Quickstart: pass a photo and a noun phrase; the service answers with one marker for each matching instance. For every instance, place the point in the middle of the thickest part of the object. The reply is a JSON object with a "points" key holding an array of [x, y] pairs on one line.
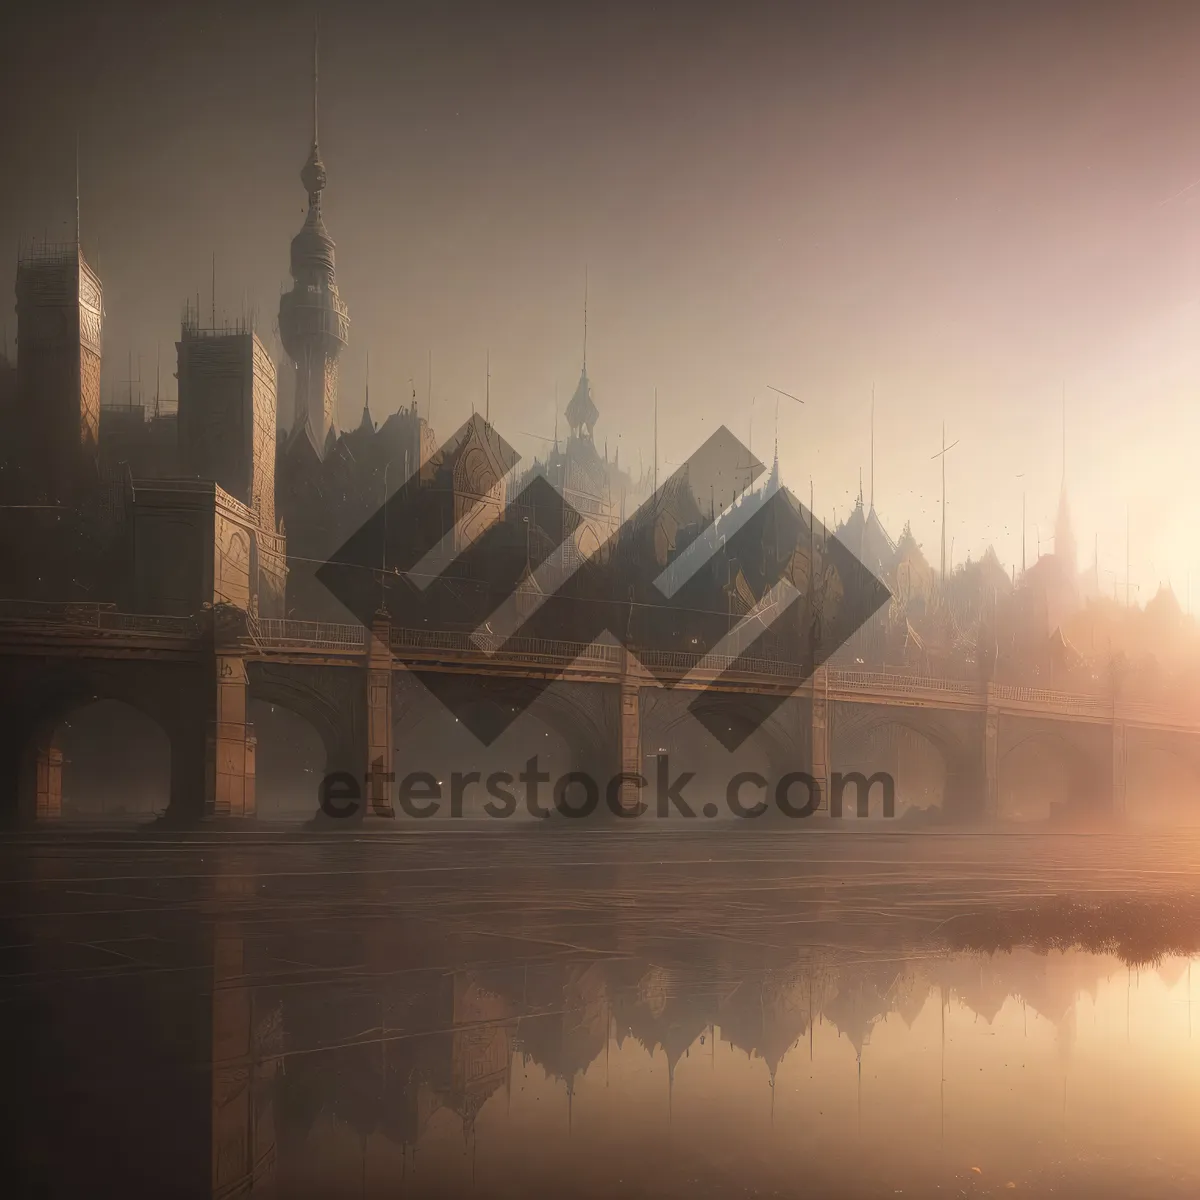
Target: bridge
{"points": [[357, 687]]}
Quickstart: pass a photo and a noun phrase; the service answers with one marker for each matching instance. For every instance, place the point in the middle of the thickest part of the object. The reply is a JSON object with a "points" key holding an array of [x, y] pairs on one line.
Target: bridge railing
{"points": [[518, 648], [316, 635], [101, 617], [903, 684], [1032, 695], [686, 662]]}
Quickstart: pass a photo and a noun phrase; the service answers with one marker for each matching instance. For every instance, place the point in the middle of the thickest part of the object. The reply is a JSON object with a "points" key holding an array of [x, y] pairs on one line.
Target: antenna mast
{"points": [[872, 447], [942, 455], [656, 441]]}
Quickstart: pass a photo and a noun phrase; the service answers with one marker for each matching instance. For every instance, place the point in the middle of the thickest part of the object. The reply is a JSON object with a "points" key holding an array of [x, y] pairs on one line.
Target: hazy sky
{"points": [[970, 206]]}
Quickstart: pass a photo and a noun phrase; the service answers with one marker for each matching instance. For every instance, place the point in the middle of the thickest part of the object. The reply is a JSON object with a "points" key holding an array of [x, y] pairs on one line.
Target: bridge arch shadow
{"points": [[682, 728], [290, 761], [321, 706], [1044, 773], [1163, 779], [567, 727], [103, 736], [113, 762], [921, 756]]}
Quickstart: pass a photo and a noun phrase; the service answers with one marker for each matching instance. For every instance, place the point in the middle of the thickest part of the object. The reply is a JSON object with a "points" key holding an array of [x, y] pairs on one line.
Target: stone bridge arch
{"points": [[1162, 776], [37, 695], [332, 700], [769, 738], [1046, 767], [955, 738], [568, 726]]}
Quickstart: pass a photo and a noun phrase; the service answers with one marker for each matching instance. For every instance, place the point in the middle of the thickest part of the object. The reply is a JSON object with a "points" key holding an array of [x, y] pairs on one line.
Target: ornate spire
{"points": [[367, 423], [314, 325]]}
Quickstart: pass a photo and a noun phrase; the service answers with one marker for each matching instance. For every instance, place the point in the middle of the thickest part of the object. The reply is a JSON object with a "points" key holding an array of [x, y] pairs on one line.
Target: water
{"points": [[601, 1013]]}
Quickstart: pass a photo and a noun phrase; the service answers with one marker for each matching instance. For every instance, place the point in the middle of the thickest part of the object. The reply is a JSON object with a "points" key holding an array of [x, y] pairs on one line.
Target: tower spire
{"points": [[316, 48], [314, 325], [367, 423], [77, 242], [585, 300]]}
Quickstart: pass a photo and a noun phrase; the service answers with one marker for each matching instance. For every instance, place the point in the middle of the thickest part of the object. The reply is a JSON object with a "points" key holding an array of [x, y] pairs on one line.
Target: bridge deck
{"points": [[101, 631]]}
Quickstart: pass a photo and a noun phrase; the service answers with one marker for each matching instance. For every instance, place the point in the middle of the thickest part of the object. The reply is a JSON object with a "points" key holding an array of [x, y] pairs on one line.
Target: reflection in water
{"points": [[492, 1017], [635, 1077]]}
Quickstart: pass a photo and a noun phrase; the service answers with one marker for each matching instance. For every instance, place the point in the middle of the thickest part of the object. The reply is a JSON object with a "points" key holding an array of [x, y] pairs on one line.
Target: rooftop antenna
{"points": [[585, 300], [942, 455], [487, 411], [429, 393], [656, 441], [157, 375], [214, 291]]}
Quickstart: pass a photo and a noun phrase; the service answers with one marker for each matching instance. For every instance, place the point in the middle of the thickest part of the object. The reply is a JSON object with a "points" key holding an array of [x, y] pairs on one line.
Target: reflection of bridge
{"points": [[194, 676]]}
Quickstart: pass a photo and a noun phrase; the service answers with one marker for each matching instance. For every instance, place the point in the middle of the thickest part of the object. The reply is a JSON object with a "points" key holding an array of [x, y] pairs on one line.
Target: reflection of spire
{"points": [[860, 1091], [942, 1069]]}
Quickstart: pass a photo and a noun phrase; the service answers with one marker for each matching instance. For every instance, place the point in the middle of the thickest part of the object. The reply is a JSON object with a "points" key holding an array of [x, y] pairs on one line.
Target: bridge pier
{"points": [[47, 801], [991, 758], [630, 730], [380, 748], [230, 748], [821, 734], [1120, 765]]}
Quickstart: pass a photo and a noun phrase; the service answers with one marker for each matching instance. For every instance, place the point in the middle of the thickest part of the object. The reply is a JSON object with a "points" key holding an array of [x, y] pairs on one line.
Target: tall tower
{"points": [[59, 323], [313, 321]]}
